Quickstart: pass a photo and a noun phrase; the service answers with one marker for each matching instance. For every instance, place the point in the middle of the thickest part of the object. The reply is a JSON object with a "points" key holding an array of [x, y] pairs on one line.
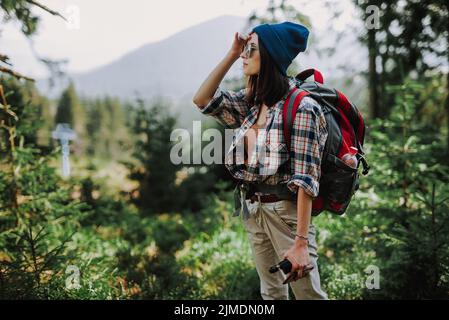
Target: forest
{"points": [[127, 223]]}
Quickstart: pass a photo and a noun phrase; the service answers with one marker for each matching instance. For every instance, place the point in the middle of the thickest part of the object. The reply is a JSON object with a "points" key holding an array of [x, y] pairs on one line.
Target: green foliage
{"points": [[413, 201], [70, 110], [169, 233], [398, 221], [222, 262], [406, 42], [218, 253], [154, 170], [190, 247], [43, 215], [347, 246], [20, 10], [31, 108], [107, 135]]}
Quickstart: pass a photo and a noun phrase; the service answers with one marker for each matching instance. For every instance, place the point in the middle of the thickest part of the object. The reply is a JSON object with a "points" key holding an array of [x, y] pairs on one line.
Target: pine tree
{"points": [[410, 177], [410, 39], [71, 111], [154, 171], [37, 215], [106, 128]]}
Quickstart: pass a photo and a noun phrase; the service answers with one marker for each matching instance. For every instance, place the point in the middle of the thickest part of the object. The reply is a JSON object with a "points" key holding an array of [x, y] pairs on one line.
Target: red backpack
{"points": [[346, 129]]}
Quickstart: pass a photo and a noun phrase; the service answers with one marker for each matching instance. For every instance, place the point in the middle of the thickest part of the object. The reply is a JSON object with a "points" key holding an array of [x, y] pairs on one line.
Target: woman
{"points": [[278, 227]]}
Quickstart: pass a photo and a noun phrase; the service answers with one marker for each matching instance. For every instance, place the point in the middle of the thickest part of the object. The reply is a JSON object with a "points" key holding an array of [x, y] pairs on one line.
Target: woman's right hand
{"points": [[238, 44], [213, 80]]}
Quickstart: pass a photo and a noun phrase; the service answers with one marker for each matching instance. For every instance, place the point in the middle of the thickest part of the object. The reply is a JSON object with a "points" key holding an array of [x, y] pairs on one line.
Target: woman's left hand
{"points": [[298, 255]]}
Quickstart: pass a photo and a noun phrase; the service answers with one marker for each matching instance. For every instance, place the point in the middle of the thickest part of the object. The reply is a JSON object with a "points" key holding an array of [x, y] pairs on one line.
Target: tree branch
{"points": [[37, 4], [4, 58], [15, 74]]}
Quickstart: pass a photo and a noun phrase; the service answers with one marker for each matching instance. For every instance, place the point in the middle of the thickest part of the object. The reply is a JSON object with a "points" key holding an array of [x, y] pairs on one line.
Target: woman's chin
{"points": [[246, 73]]}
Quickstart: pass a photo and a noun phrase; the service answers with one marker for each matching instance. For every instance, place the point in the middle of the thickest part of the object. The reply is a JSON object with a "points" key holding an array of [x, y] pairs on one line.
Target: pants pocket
{"points": [[285, 211], [250, 223]]}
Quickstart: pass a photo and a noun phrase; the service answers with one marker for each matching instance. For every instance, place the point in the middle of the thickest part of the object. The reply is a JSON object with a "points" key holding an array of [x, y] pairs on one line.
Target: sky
{"points": [[100, 31]]}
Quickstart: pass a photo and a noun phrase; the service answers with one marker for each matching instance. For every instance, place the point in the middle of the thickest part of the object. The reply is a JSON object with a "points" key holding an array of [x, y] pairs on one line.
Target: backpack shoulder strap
{"points": [[317, 76], [289, 111]]}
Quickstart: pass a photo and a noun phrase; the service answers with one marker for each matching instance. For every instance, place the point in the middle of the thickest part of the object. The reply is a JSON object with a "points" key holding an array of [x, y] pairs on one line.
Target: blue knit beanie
{"points": [[284, 41]]}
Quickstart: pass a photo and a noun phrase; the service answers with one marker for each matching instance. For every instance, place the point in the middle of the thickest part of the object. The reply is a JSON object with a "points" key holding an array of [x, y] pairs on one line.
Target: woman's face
{"points": [[251, 63]]}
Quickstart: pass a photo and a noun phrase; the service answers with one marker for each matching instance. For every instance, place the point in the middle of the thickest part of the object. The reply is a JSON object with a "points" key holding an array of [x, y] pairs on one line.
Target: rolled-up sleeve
{"points": [[227, 107], [308, 138]]}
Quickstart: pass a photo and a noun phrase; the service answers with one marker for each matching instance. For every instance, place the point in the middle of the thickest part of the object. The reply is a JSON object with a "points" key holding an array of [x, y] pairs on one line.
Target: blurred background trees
{"points": [[137, 226], [409, 38]]}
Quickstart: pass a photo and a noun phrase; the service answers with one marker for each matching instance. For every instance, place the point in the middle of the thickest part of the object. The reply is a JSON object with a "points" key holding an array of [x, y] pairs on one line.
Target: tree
{"points": [[71, 111], [34, 209], [20, 11], [412, 201], [106, 128], [36, 123], [155, 172], [412, 39], [37, 215]]}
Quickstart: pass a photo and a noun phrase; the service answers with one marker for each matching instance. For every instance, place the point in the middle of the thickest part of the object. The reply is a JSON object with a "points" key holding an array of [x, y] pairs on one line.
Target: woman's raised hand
{"points": [[213, 80], [238, 44]]}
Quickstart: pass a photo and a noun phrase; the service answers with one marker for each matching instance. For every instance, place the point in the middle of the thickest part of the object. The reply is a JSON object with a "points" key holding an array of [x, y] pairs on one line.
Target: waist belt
{"points": [[264, 198], [246, 190]]}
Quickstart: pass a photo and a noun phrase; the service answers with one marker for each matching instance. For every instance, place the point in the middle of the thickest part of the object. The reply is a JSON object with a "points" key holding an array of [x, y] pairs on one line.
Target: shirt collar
{"points": [[292, 82]]}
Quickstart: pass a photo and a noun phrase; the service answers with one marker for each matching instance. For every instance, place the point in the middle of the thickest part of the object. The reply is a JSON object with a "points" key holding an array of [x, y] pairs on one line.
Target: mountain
{"points": [[175, 67], [171, 67]]}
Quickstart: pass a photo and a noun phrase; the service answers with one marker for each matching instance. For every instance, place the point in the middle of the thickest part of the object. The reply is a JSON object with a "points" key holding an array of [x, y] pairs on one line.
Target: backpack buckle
{"points": [[365, 164]]}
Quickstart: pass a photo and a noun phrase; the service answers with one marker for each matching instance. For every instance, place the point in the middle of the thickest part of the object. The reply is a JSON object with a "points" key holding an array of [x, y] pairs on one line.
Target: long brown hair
{"points": [[269, 86]]}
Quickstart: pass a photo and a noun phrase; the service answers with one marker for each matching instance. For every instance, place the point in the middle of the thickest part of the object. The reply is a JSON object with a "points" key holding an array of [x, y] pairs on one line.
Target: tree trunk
{"points": [[447, 85], [373, 77], [447, 110]]}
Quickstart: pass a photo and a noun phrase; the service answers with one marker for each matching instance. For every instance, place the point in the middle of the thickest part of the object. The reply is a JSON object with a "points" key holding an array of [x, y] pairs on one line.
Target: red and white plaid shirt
{"points": [[308, 136]]}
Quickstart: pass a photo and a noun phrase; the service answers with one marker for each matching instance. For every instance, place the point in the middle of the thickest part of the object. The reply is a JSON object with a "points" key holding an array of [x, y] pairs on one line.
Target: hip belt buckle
{"points": [[258, 194]]}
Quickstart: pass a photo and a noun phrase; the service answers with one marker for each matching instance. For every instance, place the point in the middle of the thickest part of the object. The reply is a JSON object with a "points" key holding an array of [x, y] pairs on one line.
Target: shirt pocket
{"points": [[274, 147], [276, 154], [275, 141]]}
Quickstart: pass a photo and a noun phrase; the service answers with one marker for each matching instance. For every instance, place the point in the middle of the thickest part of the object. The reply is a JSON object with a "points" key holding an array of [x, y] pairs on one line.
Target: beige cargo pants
{"points": [[271, 231]]}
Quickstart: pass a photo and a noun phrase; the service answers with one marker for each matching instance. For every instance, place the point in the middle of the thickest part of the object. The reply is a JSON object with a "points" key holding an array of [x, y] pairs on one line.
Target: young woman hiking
{"points": [[275, 191]]}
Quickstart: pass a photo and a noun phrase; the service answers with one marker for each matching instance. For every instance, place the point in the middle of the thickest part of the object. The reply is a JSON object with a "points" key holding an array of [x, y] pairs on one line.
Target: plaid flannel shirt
{"points": [[308, 137]]}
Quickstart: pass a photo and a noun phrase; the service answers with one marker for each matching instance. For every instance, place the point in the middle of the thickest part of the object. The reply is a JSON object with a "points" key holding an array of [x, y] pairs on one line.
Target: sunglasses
{"points": [[248, 49]]}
